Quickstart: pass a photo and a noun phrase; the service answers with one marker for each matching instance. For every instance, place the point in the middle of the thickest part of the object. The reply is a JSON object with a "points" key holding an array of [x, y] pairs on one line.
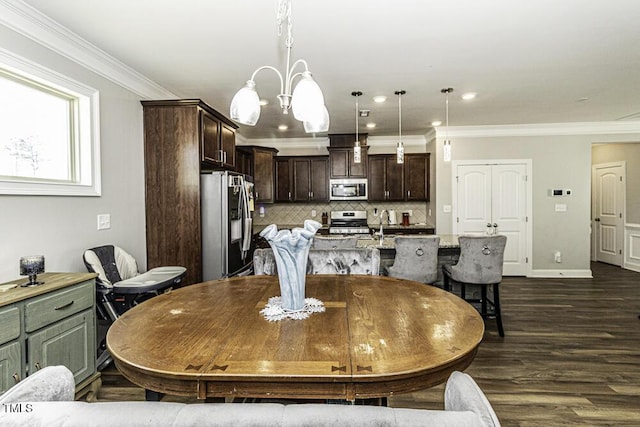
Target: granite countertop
{"points": [[446, 241]]}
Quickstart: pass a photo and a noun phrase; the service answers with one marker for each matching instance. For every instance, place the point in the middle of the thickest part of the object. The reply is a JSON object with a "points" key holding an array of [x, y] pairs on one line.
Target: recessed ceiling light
{"points": [[379, 98], [371, 125], [264, 102], [436, 123], [583, 99], [283, 127], [469, 95]]}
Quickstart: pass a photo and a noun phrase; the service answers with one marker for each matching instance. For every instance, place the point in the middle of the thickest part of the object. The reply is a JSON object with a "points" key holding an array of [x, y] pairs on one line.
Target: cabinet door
{"points": [[377, 167], [339, 160], [263, 175], [416, 177], [210, 139], [70, 342], [394, 179], [283, 180], [358, 170], [10, 365], [319, 179], [227, 146], [301, 180]]}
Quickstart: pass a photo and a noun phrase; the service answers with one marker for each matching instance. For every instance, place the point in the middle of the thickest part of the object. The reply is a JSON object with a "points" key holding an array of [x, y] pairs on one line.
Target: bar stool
{"points": [[480, 263], [416, 259]]}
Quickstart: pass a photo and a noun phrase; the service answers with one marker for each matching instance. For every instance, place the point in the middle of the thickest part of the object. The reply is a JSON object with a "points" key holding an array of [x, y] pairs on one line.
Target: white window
{"points": [[49, 141]]}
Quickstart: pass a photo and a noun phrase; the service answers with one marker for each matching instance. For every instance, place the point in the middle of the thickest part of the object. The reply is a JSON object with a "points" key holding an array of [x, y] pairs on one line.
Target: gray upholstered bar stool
{"points": [[416, 258], [480, 263]]}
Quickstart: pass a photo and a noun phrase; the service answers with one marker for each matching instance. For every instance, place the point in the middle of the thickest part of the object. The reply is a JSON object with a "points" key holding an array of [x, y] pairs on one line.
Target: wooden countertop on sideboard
{"points": [[52, 282]]}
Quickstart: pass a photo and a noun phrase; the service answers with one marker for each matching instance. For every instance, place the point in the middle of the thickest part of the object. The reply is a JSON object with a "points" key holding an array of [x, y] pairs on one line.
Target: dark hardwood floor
{"points": [[571, 355]]}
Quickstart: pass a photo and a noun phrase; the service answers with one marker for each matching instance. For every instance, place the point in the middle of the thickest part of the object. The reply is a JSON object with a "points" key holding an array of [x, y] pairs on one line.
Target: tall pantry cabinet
{"points": [[181, 139]]}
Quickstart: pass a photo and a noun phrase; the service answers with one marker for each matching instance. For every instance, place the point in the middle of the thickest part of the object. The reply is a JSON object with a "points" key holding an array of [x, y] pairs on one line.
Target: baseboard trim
{"points": [[565, 274]]}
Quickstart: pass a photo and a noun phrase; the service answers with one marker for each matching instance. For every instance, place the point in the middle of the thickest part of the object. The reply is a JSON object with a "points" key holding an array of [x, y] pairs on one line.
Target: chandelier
{"points": [[306, 101]]}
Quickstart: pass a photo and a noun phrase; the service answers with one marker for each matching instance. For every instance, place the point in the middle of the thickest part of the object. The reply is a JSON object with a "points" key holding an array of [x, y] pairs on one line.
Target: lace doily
{"points": [[274, 311]]}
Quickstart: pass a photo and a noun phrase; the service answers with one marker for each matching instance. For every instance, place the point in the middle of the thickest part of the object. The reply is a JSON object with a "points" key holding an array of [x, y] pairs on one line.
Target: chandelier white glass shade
{"points": [[357, 150], [400, 146], [306, 101], [446, 146]]}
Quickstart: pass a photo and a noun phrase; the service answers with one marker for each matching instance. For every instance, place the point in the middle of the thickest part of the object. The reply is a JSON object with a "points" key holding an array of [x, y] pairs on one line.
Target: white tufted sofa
{"points": [[46, 399]]}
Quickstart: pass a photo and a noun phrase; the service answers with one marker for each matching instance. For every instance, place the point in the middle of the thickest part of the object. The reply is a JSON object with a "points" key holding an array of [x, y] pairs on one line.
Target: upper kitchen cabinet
{"points": [[302, 179], [385, 178], [416, 177], [218, 142], [341, 159], [259, 163], [181, 138]]}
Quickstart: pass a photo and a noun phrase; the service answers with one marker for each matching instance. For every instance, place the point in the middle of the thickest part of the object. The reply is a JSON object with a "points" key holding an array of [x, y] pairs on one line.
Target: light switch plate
{"points": [[561, 207], [104, 221], [446, 208]]}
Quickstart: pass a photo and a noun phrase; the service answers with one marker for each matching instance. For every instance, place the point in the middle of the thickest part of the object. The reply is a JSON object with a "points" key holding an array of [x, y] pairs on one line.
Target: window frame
{"points": [[85, 124]]}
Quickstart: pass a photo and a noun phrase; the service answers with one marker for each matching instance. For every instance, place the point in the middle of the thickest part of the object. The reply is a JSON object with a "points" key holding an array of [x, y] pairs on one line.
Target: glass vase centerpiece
{"points": [[291, 252]]}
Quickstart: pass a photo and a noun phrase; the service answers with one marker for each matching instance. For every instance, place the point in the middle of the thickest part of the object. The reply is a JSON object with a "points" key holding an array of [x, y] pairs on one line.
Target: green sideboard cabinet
{"points": [[50, 324]]}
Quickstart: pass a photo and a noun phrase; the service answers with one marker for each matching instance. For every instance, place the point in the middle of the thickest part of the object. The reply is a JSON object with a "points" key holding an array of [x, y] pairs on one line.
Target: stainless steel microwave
{"points": [[348, 189]]}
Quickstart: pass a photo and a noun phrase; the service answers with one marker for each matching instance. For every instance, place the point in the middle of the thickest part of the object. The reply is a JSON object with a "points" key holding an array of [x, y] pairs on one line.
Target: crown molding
{"points": [[29, 22], [542, 129]]}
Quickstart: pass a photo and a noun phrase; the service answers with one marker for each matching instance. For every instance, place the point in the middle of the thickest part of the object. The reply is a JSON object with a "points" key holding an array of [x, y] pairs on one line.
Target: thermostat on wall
{"points": [[561, 192]]}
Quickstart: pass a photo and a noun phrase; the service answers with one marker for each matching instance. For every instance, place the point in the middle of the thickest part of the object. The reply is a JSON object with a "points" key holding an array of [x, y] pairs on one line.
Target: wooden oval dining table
{"points": [[379, 336]]}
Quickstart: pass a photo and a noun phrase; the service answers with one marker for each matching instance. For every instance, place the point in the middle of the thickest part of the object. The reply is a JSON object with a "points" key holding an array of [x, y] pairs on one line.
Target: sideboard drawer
{"points": [[10, 321], [58, 305]]}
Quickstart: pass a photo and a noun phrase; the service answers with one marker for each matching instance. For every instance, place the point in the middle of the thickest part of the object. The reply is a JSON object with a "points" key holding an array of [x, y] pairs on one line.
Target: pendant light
{"points": [[447, 143], [357, 150], [305, 100], [400, 146]]}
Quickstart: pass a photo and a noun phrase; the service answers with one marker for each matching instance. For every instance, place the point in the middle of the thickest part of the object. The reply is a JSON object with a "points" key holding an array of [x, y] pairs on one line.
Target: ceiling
{"points": [[542, 61]]}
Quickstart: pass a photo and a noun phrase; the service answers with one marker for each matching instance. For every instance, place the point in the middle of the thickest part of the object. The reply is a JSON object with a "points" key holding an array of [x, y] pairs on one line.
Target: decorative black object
{"points": [[31, 266]]}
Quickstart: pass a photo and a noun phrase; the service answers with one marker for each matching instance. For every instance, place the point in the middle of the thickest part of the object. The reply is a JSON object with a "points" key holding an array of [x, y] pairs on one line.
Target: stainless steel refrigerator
{"points": [[226, 207]]}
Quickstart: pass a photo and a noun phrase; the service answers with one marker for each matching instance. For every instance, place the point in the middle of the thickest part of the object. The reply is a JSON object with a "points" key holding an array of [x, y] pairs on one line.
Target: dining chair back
{"points": [[337, 242], [324, 261]]}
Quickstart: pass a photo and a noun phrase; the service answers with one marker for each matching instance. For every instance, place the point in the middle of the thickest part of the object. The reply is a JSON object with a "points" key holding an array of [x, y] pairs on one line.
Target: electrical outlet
{"points": [[313, 213], [104, 221], [410, 211]]}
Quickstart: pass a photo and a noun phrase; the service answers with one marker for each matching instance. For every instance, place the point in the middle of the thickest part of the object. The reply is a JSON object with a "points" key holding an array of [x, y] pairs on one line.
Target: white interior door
{"points": [[493, 199], [608, 209]]}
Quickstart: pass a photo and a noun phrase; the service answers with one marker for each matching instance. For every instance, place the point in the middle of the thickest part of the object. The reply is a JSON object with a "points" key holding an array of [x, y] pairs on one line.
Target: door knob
{"points": [[597, 220], [488, 224], [495, 225]]}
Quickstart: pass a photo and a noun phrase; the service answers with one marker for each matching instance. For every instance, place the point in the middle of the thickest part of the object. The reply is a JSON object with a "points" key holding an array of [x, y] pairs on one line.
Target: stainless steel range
{"points": [[349, 222]]}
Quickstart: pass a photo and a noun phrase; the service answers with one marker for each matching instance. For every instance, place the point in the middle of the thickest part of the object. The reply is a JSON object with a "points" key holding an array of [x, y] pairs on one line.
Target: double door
{"points": [[492, 199]]}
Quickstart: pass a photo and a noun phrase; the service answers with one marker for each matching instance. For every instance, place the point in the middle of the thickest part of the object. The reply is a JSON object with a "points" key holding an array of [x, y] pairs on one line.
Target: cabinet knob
{"points": [[16, 377], [37, 365]]}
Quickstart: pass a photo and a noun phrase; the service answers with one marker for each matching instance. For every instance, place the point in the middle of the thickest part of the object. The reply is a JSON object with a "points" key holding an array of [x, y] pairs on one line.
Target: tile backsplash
{"points": [[296, 213]]}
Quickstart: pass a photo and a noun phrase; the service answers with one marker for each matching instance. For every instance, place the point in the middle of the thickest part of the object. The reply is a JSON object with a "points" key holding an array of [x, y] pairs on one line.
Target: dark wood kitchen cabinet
{"points": [[218, 142], [259, 163], [416, 177], [181, 138], [302, 179], [341, 158], [386, 181], [343, 166]]}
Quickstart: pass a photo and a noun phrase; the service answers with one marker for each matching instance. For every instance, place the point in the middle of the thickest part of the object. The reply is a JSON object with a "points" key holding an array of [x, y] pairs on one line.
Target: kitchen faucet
{"points": [[382, 212]]}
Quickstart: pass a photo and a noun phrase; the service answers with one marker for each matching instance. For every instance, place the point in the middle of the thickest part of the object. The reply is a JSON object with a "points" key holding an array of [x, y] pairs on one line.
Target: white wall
{"points": [[60, 228], [559, 161]]}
